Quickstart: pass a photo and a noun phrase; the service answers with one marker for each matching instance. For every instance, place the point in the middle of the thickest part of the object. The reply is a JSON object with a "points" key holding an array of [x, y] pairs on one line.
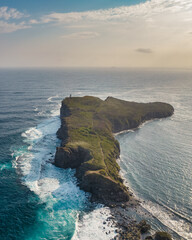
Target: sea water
{"points": [[41, 201]]}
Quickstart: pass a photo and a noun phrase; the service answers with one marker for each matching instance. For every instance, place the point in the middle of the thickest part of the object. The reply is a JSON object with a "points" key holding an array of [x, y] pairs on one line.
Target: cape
{"points": [[88, 144]]}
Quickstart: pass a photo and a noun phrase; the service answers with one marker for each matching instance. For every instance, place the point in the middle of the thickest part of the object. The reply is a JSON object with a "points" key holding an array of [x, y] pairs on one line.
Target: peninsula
{"points": [[87, 132]]}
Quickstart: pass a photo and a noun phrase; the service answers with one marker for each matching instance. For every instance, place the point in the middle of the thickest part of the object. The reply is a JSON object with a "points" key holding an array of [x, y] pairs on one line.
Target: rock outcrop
{"points": [[162, 236]]}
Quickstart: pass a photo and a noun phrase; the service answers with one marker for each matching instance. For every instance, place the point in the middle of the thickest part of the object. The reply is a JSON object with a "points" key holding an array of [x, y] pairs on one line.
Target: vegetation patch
{"points": [[88, 143]]}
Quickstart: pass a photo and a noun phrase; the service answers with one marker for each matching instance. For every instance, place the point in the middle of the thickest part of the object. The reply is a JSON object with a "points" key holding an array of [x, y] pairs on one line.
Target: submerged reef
{"points": [[87, 132]]}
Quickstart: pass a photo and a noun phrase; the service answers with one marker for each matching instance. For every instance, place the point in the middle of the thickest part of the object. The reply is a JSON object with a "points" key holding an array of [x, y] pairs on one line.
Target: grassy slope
{"points": [[91, 123]]}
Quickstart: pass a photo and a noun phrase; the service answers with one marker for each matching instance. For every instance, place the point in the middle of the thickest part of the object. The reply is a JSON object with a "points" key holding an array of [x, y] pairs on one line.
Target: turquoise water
{"points": [[40, 201]]}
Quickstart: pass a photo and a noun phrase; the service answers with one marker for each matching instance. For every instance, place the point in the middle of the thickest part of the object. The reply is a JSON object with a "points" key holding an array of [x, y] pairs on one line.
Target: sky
{"points": [[102, 33]]}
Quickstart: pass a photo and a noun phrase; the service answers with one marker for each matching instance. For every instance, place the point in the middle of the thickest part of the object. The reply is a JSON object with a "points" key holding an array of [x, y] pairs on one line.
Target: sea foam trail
{"points": [[164, 215], [5, 166], [32, 134], [93, 225], [51, 99], [179, 226], [177, 223], [182, 227], [56, 187]]}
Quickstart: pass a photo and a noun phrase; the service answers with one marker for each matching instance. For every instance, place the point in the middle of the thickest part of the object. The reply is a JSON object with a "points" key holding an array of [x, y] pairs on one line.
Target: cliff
{"points": [[88, 144]]}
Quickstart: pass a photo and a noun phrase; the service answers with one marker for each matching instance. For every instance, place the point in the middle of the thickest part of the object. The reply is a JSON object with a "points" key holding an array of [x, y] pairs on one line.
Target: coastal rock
{"points": [[148, 238], [71, 157], [103, 188], [162, 236], [144, 226], [132, 233]]}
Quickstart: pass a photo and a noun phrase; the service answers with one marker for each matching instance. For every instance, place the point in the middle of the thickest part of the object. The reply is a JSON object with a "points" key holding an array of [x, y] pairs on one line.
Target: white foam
{"points": [[30, 148], [55, 187], [165, 216], [94, 226], [124, 131], [4, 166], [56, 111], [23, 163], [41, 113], [31, 134], [51, 99], [32, 162], [181, 227], [44, 187]]}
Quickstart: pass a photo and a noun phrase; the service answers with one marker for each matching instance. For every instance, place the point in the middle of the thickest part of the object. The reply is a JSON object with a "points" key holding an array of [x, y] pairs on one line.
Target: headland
{"points": [[88, 125], [88, 144]]}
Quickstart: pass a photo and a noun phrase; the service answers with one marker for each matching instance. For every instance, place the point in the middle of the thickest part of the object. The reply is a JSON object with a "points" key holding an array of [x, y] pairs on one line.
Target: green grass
{"points": [[91, 123]]}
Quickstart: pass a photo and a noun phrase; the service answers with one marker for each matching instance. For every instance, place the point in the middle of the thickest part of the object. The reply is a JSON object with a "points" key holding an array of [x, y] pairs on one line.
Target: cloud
{"points": [[145, 34], [144, 50], [145, 10], [10, 20], [81, 35], [33, 21], [10, 13], [74, 17], [6, 27]]}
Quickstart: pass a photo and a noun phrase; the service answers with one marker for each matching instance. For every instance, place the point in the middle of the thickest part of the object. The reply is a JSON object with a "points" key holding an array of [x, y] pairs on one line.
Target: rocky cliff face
{"points": [[88, 144]]}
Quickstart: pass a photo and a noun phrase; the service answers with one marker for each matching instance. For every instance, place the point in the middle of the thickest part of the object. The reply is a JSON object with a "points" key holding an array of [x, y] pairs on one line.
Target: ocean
{"points": [[41, 201]]}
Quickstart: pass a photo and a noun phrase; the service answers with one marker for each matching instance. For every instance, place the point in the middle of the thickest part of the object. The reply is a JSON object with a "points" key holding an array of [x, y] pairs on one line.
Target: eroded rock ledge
{"points": [[88, 144]]}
